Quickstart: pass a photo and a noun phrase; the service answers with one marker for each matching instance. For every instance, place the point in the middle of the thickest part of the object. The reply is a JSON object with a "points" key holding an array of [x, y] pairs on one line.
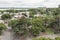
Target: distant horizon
{"points": [[28, 7]]}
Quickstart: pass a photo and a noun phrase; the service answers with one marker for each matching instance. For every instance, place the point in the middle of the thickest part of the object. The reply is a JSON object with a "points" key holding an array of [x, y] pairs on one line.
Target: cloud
{"points": [[29, 3], [52, 3], [21, 3]]}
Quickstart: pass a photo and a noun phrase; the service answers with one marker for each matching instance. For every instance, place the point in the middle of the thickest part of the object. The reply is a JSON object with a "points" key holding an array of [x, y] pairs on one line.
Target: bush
{"points": [[19, 26], [5, 16], [37, 26], [2, 27], [42, 39], [57, 38]]}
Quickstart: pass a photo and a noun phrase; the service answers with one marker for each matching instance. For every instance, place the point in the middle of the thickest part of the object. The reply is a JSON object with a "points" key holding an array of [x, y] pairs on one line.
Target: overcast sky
{"points": [[29, 3]]}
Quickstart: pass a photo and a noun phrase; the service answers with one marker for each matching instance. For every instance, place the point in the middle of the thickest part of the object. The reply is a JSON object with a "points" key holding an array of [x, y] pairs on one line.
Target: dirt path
{"points": [[8, 35]]}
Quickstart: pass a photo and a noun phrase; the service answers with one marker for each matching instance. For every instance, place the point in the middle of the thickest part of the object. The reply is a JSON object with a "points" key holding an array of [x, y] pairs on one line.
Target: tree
{"points": [[1, 11], [31, 15], [2, 27], [59, 6], [24, 14], [6, 17], [20, 26], [12, 22], [42, 10], [10, 11], [32, 12], [55, 25], [57, 38], [37, 26]]}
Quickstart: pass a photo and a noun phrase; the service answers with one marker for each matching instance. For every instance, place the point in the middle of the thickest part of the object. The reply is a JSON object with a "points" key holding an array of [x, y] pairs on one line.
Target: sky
{"points": [[29, 3]]}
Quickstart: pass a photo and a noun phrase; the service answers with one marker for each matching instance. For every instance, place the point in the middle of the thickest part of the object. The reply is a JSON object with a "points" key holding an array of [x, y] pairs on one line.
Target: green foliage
{"points": [[12, 22], [42, 38], [31, 15], [57, 38], [12, 11], [37, 26], [32, 12], [49, 31], [5, 16], [49, 23], [22, 25], [42, 10], [2, 27], [55, 25], [19, 26], [24, 14]]}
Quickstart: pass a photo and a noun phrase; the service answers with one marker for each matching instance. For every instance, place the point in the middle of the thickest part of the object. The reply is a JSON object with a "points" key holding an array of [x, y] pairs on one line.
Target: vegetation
{"points": [[19, 26], [47, 22], [2, 27], [6, 16], [32, 12], [57, 38], [37, 26]]}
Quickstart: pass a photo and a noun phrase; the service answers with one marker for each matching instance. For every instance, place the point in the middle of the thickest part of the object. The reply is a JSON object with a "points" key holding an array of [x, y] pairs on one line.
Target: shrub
{"points": [[2, 27]]}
